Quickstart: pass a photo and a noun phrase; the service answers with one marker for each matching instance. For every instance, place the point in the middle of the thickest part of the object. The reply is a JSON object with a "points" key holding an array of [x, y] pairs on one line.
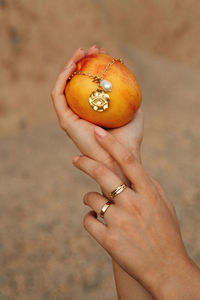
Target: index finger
{"points": [[58, 97], [130, 165]]}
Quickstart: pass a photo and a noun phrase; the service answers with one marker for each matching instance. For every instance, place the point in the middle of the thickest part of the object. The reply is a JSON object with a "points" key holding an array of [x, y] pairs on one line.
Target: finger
{"points": [[95, 228], [136, 128], [127, 161], [131, 134], [96, 201], [163, 195], [93, 50], [108, 180], [59, 100], [78, 54], [102, 50]]}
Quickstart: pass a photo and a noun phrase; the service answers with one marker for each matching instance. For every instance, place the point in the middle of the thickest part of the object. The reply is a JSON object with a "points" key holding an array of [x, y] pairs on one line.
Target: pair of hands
{"points": [[81, 131], [141, 232]]}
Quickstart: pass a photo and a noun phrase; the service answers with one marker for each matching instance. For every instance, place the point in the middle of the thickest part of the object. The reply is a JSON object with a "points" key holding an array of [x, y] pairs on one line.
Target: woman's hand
{"points": [[81, 131], [141, 232]]}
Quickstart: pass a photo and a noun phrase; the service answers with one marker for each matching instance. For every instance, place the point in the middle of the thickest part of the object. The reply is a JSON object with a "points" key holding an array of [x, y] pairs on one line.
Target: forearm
{"points": [[127, 287], [181, 284]]}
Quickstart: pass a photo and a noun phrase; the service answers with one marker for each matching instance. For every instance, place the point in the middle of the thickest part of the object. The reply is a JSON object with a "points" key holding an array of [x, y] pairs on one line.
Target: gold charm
{"points": [[99, 100]]}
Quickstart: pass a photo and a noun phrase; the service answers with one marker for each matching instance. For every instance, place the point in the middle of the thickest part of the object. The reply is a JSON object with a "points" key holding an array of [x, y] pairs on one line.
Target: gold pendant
{"points": [[99, 100]]}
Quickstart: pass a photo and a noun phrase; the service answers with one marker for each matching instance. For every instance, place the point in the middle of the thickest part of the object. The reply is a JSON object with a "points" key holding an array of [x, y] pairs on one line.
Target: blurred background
{"points": [[45, 253]]}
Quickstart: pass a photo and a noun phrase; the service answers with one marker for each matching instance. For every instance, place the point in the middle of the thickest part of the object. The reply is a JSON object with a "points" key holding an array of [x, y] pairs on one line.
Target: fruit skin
{"points": [[125, 97]]}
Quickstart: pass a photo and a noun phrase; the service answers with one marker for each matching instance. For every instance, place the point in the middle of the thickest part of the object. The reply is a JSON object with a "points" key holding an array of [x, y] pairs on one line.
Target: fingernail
{"points": [[95, 46], [81, 49], [75, 159], [100, 132]]}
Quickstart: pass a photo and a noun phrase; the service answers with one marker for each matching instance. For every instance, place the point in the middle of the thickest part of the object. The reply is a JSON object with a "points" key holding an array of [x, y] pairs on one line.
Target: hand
{"points": [[81, 131], [141, 232]]}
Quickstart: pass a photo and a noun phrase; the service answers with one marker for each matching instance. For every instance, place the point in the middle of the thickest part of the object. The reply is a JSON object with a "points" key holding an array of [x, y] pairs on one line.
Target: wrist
{"points": [[178, 282]]}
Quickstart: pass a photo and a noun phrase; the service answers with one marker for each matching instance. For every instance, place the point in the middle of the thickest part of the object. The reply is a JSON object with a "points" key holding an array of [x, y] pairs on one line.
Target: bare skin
{"points": [[81, 133], [141, 233]]}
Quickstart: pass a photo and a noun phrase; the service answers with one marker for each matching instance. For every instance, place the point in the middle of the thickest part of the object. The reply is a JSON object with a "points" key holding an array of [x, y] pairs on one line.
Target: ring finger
{"points": [[108, 180], [96, 201]]}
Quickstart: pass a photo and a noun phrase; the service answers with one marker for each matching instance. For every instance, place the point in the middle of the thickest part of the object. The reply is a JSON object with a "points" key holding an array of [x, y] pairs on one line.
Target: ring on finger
{"points": [[118, 190], [104, 209]]}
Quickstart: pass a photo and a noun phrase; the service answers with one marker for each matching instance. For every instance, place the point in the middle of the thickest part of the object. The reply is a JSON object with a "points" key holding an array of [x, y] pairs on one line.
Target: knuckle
{"points": [[158, 188], [110, 140], [109, 161], [128, 158], [153, 195], [112, 164], [99, 171]]}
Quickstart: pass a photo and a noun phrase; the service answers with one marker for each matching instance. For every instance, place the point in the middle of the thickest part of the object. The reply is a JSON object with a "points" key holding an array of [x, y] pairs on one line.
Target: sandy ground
{"points": [[45, 253]]}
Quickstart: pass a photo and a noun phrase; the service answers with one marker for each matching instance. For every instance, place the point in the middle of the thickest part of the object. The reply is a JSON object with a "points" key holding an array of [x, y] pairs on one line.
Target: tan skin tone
{"points": [[141, 233], [82, 134]]}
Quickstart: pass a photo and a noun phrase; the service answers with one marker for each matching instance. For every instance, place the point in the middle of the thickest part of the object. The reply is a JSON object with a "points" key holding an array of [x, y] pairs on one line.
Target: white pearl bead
{"points": [[106, 85]]}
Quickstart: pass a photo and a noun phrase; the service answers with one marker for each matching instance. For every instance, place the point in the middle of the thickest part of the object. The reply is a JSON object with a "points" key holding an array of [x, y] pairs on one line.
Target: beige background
{"points": [[45, 253]]}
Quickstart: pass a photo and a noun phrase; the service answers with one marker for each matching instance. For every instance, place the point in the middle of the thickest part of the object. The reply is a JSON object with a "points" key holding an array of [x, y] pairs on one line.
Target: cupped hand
{"points": [[141, 231], [81, 131]]}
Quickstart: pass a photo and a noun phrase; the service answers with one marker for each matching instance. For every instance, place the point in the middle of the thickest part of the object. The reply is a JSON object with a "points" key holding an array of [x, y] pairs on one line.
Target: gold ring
{"points": [[118, 190], [104, 209]]}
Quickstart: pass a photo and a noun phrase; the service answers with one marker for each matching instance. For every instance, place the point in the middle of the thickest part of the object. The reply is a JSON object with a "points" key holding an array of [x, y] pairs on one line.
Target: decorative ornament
{"points": [[99, 99]]}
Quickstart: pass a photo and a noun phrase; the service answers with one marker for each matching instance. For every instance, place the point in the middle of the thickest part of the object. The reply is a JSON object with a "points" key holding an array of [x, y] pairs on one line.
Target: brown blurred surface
{"points": [[45, 253]]}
